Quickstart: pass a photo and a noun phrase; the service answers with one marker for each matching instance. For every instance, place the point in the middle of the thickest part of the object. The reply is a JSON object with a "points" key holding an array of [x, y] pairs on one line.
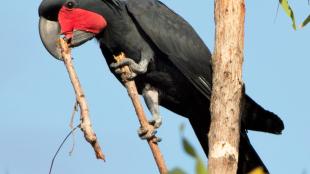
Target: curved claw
{"points": [[157, 140], [154, 132]]}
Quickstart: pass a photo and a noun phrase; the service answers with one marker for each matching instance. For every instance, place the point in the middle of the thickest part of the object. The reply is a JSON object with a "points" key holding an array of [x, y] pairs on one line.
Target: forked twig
{"points": [[133, 94], [86, 127]]}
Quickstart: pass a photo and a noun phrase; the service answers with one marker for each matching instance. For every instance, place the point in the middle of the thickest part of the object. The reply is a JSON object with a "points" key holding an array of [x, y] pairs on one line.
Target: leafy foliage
{"points": [[177, 171], [288, 10], [258, 170], [188, 148], [200, 167], [305, 22]]}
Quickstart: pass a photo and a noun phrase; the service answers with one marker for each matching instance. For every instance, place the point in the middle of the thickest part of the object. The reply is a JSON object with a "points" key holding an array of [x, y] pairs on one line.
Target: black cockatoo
{"points": [[169, 62]]}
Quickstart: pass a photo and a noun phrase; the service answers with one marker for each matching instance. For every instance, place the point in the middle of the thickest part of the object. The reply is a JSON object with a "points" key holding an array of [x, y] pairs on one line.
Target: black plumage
{"points": [[177, 68]]}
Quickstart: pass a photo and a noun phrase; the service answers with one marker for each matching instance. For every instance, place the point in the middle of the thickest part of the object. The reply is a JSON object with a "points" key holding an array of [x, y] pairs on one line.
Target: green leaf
{"points": [[182, 128], [200, 167], [258, 170], [188, 148], [305, 22], [177, 171], [288, 10]]}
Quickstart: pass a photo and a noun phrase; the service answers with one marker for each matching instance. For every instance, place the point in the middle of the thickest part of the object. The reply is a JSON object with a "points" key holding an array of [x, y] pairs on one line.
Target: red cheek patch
{"points": [[79, 19]]}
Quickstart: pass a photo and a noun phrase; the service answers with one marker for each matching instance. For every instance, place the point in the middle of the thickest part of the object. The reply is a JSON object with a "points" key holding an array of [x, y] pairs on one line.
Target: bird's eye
{"points": [[70, 4]]}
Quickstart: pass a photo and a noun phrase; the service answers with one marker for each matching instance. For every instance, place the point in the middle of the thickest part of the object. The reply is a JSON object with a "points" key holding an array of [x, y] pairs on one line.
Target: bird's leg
{"points": [[150, 95], [136, 68]]}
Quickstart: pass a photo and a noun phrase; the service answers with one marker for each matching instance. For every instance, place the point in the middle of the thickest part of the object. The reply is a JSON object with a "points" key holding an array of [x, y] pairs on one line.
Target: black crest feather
{"points": [[113, 3]]}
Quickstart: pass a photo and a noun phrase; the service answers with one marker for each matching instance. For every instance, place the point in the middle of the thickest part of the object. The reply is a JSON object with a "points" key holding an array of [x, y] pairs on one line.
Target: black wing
{"points": [[176, 38]]}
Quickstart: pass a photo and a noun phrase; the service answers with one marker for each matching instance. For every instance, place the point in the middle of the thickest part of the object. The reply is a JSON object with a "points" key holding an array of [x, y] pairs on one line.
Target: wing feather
{"points": [[177, 39]]}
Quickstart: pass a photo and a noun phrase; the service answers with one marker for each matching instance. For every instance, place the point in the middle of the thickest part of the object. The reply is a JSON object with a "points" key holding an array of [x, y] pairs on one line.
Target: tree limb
{"points": [[227, 90]]}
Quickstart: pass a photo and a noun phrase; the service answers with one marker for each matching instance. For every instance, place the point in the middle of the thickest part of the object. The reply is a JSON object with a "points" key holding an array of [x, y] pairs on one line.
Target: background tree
{"points": [[227, 87]]}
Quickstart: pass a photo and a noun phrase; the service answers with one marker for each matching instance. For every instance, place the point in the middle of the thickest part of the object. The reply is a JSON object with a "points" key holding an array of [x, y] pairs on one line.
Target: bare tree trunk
{"points": [[227, 89]]}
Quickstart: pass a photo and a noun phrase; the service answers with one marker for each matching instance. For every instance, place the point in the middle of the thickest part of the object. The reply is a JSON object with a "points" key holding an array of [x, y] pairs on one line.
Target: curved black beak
{"points": [[49, 34]]}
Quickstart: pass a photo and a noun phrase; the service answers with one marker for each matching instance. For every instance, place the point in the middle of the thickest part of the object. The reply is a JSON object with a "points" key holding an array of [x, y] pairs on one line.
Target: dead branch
{"points": [[86, 126], [133, 94]]}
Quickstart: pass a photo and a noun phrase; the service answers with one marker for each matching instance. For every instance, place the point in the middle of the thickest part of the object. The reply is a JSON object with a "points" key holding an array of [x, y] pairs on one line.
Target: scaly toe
{"points": [[142, 131], [118, 71], [145, 133], [156, 123], [131, 76]]}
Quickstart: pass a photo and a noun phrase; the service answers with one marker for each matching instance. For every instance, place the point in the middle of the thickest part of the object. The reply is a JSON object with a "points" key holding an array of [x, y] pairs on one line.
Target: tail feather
{"points": [[257, 118]]}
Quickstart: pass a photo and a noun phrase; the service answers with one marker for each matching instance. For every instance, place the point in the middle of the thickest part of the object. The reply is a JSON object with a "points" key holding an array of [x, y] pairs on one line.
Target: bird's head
{"points": [[77, 20]]}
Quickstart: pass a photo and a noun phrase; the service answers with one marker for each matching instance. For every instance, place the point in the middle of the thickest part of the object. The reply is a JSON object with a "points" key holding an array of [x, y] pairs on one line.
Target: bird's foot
{"points": [[134, 67], [156, 122], [127, 76], [149, 132]]}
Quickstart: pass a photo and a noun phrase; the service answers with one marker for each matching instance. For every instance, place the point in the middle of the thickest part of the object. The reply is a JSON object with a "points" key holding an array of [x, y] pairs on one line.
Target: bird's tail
{"points": [[248, 158], [257, 118]]}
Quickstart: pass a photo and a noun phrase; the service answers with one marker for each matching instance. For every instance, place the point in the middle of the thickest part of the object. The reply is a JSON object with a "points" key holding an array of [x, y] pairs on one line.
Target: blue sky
{"points": [[37, 97]]}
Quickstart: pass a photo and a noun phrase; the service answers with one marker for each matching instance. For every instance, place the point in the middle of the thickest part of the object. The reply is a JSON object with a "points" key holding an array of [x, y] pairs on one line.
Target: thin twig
{"points": [[86, 127], [75, 109], [62, 143], [133, 94]]}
